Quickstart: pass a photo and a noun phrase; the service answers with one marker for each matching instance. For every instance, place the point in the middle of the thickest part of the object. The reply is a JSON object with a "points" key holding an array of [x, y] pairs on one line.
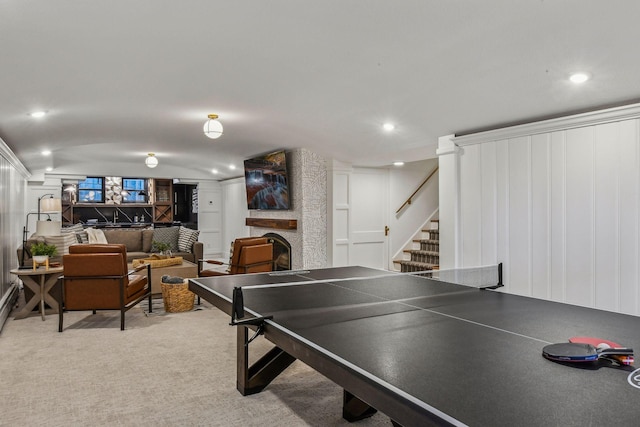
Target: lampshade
{"points": [[50, 205], [48, 228], [151, 161], [212, 127]]}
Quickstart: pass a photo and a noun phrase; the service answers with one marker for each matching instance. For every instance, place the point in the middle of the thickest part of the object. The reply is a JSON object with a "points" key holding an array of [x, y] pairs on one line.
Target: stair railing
{"points": [[408, 201]]}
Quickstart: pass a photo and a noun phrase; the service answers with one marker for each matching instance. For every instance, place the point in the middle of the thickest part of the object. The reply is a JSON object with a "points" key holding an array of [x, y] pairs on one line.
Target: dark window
{"points": [[134, 190], [91, 190]]}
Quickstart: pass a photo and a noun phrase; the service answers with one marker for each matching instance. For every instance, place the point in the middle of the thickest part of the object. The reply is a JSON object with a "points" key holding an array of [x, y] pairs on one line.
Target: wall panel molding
{"points": [[566, 222]]}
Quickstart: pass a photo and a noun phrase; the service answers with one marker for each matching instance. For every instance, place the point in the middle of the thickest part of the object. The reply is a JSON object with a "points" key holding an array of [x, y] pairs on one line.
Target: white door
{"points": [[368, 218]]}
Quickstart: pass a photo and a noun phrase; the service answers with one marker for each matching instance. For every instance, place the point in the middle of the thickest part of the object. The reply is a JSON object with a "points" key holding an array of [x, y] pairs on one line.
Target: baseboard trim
{"points": [[6, 304]]}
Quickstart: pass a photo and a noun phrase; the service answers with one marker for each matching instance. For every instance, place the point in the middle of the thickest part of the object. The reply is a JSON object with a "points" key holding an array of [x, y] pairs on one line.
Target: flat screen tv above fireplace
{"points": [[267, 182]]}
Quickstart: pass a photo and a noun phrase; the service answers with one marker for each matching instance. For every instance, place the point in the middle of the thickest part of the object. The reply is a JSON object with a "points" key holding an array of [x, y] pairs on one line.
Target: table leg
{"points": [[49, 283], [29, 305], [42, 296]]}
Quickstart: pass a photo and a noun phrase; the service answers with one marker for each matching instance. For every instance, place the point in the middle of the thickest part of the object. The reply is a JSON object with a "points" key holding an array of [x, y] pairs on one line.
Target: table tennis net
{"points": [[489, 276]]}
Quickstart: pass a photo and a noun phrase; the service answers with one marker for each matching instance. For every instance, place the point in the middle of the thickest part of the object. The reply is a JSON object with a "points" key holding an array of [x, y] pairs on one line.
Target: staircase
{"points": [[424, 255]]}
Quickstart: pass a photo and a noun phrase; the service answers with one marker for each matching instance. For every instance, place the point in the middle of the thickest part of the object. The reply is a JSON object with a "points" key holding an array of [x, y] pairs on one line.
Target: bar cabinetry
{"points": [[163, 200]]}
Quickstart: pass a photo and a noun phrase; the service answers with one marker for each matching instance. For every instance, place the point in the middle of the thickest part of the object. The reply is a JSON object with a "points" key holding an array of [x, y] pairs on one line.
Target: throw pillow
{"points": [[186, 238], [168, 235], [62, 242], [78, 230], [96, 236]]}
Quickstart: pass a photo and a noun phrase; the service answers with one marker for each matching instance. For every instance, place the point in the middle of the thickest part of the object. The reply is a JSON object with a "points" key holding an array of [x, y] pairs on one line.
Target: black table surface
{"points": [[474, 355]]}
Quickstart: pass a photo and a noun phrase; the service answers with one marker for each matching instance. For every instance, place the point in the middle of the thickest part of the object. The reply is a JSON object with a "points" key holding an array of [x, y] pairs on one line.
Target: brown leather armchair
{"points": [[95, 277], [250, 255]]}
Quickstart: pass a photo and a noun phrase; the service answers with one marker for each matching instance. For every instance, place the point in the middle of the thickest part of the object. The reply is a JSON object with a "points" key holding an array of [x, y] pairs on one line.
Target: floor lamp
{"points": [[43, 228]]}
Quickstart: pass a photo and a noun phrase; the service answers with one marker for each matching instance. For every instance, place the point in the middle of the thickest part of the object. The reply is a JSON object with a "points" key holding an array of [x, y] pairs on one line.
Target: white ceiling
{"points": [[121, 78]]}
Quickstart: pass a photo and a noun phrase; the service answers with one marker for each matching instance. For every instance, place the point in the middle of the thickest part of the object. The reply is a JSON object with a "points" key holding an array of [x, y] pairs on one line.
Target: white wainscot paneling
{"points": [[629, 217], [341, 224], [369, 254], [470, 207], [519, 215], [489, 200], [557, 217], [341, 254], [341, 189], [502, 209], [579, 216], [540, 205], [606, 216]]}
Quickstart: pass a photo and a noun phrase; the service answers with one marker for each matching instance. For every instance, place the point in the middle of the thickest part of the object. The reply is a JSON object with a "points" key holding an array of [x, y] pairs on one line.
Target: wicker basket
{"points": [[177, 297]]}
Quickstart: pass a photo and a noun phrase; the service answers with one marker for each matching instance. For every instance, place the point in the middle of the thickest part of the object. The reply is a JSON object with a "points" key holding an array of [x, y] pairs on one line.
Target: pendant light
{"points": [[151, 161], [213, 127]]}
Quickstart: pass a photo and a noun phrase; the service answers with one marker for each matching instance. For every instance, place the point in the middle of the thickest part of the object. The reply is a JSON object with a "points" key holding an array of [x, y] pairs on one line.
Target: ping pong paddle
{"points": [[579, 352], [626, 359]]}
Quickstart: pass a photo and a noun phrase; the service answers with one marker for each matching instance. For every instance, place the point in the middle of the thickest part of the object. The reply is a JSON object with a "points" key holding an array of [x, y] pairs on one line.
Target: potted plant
{"points": [[161, 247], [41, 251]]}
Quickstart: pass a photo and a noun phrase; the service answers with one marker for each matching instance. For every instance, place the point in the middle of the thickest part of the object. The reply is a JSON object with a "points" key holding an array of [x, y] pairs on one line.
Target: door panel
{"points": [[369, 208]]}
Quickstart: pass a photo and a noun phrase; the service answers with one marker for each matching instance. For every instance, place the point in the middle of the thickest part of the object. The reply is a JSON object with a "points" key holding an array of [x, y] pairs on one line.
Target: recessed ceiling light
{"points": [[398, 163], [232, 167], [579, 78], [45, 152], [49, 169], [214, 171], [38, 114], [388, 126]]}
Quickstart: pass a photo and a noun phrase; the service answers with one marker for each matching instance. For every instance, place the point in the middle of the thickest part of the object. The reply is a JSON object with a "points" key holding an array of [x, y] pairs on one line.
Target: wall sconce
{"points": [[212, 127], [151, 161]]}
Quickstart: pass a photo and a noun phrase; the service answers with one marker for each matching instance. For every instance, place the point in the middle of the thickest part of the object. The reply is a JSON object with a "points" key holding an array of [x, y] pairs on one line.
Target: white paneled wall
{"points": [[13, 181], [559, 208], [210, 218]]}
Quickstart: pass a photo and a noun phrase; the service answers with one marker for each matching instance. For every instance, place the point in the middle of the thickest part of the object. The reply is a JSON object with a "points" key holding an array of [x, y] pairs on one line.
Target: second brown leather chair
{"points": [[250, 255]]}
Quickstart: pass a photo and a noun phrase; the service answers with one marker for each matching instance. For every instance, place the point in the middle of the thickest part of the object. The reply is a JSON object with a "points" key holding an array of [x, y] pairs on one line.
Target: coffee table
{"points": [[186, 270]]}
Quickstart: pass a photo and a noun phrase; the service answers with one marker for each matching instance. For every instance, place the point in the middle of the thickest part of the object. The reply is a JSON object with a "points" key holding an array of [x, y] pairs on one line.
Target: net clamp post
{"points": [[254, 321]]}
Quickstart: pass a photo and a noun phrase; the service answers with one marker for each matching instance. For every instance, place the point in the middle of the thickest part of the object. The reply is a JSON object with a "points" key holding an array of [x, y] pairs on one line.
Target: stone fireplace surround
{"points": [[308, 195]]}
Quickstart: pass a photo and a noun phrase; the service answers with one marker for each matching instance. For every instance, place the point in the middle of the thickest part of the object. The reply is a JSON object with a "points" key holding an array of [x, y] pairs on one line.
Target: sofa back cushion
{"points": [[131, 239], [147, 239]]}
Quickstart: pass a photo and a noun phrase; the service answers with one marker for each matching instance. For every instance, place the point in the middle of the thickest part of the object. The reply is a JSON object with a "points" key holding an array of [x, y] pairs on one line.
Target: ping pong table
{"points": [[429, 352]]}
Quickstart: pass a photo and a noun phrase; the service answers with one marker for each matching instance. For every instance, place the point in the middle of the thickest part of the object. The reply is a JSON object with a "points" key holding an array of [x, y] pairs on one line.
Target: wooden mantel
{"points": [[280, 224]]}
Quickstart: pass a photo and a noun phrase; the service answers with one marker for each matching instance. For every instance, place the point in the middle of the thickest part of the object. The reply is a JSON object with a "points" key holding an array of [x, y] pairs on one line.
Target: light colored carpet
{"points": [[165, 369]]}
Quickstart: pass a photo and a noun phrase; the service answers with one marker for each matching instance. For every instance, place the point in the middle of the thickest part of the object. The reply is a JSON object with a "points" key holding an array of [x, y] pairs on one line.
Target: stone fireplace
{"points": [[304, 225]]}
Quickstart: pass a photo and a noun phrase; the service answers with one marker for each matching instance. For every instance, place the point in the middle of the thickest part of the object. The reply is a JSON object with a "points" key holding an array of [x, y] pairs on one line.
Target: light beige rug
{"points": [[165, 369]]}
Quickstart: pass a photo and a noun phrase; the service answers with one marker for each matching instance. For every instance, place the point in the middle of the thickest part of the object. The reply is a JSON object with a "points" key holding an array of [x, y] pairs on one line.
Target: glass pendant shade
{"points": [[212, 127], [151, 161]]}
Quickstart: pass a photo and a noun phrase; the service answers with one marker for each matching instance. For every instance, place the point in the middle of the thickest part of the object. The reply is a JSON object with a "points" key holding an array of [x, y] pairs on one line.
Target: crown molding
{"points": [[6, 152], [591, 118]]}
